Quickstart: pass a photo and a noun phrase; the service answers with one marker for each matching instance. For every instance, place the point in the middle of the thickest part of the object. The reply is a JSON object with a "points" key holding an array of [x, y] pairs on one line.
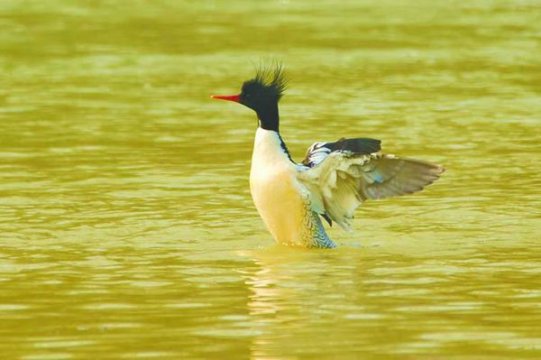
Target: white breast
{"points": [[276, 192]]}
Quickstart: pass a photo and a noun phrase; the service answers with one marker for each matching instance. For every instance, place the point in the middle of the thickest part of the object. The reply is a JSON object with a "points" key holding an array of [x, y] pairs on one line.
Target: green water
{"points": [[126, 225]]}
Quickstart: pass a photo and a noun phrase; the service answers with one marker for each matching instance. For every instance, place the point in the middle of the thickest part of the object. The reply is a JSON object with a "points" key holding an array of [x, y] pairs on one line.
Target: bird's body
{"points": [[282, 201], [331, 182]]}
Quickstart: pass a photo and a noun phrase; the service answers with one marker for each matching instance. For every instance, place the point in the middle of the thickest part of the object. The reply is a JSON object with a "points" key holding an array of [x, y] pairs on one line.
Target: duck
{"points": [[334, 179]]}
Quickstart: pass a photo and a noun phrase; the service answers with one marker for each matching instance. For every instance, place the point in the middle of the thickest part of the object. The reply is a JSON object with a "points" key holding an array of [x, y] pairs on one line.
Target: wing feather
{"points": [[340, 180]]}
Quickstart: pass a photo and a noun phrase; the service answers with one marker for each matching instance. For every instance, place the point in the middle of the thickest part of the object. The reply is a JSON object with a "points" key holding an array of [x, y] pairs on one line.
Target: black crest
{"points": [[262, 94], [272, 79], [269, 84]]}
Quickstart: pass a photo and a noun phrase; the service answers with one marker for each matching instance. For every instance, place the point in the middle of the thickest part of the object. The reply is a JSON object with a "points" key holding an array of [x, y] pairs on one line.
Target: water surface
{"points": [[126, 224]]}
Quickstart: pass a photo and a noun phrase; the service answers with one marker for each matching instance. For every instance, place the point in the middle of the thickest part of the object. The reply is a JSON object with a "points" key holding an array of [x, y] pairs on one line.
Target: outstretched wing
{"points": [[340, 179]]}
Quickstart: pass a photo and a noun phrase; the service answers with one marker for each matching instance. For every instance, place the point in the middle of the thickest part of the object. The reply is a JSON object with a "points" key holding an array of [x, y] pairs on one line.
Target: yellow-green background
{"points": [[126, 225]]}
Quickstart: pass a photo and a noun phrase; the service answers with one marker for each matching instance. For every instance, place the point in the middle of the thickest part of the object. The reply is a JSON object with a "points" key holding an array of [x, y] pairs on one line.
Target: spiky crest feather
{"points": [[273, 78]]}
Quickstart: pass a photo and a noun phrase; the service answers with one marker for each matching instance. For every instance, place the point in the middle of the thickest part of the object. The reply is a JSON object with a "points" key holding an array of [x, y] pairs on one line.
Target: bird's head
{"points": [[262, 94]]}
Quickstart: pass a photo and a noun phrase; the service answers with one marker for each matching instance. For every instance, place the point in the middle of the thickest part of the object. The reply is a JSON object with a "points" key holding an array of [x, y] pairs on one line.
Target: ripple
{"points": [[188, 305], [148, 354], [363, 316], [51, 343], [48, 356], [109, 306], [13, 307]]}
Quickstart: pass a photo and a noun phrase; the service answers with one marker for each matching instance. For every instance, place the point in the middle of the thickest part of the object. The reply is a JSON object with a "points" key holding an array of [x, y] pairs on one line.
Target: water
{"points": [[127, 228]]}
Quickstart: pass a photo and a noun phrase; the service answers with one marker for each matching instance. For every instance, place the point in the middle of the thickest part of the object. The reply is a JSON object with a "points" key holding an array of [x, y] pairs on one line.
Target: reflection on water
{"points": [[387, 304], [127, 229]]}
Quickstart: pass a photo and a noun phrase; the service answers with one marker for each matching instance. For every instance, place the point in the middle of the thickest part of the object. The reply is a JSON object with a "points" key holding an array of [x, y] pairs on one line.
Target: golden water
{"points": [[126, 225]]}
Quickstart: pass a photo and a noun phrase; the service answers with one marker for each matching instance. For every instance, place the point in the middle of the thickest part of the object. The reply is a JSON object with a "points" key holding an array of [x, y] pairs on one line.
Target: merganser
{"points": [[330, 183]]}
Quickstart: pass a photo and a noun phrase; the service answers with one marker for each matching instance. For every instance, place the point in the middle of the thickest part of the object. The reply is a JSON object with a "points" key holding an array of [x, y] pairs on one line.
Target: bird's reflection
{"points": [[280, 288]]}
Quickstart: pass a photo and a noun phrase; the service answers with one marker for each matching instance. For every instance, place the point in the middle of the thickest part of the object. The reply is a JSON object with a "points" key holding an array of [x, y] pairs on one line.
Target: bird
{"points": [[332, 181]]}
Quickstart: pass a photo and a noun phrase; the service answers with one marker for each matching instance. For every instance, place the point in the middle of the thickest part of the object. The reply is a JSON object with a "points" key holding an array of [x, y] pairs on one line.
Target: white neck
{"points": [[268, 150]]}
